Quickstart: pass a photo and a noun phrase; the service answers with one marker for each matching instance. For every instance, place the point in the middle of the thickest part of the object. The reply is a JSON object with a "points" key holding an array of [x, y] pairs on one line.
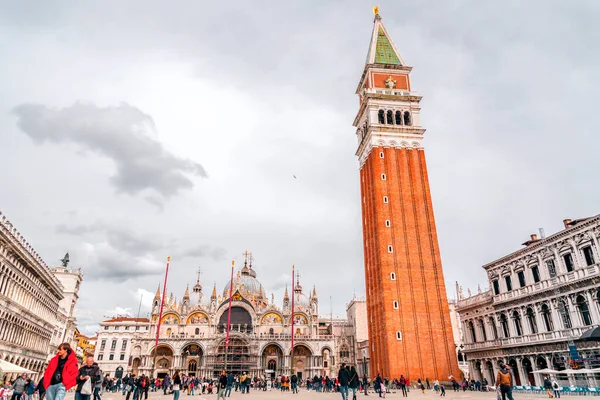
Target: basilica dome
{"points": [[300, 299], [245, 281]]}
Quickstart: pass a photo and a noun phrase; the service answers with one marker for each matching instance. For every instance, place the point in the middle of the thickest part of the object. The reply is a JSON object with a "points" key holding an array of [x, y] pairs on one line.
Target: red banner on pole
{"points": [[293, 296], [229, 310], [162, 303]]}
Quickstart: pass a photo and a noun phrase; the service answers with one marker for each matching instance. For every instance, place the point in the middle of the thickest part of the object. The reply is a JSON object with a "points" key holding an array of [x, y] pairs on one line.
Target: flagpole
{"points": [[293, 296], [229, 315], [160, 314]]}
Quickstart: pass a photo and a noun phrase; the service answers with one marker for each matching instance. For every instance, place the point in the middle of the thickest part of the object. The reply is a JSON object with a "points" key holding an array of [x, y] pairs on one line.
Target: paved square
{"points": [[305, 395]]}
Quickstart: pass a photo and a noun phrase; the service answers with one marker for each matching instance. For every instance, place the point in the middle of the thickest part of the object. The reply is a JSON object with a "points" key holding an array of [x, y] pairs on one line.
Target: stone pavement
{"points": [[304, 395]]}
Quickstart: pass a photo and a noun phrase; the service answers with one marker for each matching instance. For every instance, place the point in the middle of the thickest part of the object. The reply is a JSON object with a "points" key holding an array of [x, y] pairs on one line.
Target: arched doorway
{"points": [[272, 360], [119, 372], [478, 373], [192, 352], [513, 365], [490, 371], [239, 359], [135, 366], [301, 361], [164, 360], [528, 368]]}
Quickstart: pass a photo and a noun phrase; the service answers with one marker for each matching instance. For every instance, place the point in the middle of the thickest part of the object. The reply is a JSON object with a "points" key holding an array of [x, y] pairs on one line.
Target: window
{"points": [[568, 259], [390, 117], [563, 310], [381, 117], [100, 357], [472, 332], [407, 118], [137, 328], [531, 320], [197, 331], [482, 329], [504, 324], [388, 223], [122, 357], [392, 276], [103, 344], [496, 287], [494, 330], [551, 268], [395, 304], [390, 249], [518, 327], [547, 318], [385, 199], [381, 154], [398, 335], [127, 328], [105, 328], [508, 283], [588, 255], [111, 357], [383, 177], [521, 276], [124, 345], [584, 311], [398, 118], [536, 273], [113, 345]]}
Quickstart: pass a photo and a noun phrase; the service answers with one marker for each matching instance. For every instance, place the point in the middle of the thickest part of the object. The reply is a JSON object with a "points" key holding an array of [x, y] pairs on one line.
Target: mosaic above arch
{"points": [[300, 319], [197, 318], [170, 319], [271, 318]]}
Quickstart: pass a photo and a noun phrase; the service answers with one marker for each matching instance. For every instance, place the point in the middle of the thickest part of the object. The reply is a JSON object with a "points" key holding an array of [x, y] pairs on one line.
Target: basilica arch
{"points": [[302, 361], [272, 360], [192, 358], [241, 319], [164, 359]]}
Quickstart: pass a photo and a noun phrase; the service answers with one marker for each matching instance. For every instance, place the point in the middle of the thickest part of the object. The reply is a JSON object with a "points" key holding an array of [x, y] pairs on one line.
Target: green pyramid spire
{"points": [[384, 51]]}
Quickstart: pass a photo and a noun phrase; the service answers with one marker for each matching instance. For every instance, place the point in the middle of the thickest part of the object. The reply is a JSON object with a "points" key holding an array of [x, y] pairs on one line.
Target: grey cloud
{"points": [[214, 253], [121, 133]]}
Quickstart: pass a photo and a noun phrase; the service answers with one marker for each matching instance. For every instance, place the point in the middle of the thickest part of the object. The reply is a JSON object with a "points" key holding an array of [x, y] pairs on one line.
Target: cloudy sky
{"points": [[130, 131]]}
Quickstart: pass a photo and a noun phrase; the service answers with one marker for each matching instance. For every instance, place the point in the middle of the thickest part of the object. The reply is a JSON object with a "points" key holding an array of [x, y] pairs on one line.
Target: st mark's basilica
{"points": [[193, 330]]}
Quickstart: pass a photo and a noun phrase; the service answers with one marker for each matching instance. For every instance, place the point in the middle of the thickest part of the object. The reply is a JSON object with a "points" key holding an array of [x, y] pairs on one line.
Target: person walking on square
{"points": [[176, 385], [87, 372], [403, 383], [365, 385], [548, 387], [230, 380], [354, 382], [222, 385], [427, 382], [61, 373], [344, 378], [504, 382]]}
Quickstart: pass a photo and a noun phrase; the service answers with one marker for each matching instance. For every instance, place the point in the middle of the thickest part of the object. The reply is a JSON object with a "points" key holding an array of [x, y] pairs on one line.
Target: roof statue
{"points": [[65, 260]]}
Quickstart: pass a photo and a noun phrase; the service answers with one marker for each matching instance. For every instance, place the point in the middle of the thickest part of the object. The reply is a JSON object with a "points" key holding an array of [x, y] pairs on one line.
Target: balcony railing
{"points": [[394, 92], [535, 338], [548, 284]]}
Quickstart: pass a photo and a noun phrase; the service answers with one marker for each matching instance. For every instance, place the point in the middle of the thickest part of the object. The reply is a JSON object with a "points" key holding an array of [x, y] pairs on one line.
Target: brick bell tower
{"points": [[410, 332]]}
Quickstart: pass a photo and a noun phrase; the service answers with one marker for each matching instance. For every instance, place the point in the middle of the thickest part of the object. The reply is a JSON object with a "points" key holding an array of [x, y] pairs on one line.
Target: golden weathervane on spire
{"points": [[376, 10]]}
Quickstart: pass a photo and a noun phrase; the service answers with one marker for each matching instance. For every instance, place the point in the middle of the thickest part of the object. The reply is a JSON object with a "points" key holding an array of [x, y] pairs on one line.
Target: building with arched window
{"points": [[193, 330], [543, 298]]}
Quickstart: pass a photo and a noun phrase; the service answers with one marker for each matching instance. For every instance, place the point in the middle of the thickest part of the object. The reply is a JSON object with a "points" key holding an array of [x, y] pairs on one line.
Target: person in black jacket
{"points": [[353, 383], [294, 380], [222, 385], [88, 371], [344, 378], [365, 383]]}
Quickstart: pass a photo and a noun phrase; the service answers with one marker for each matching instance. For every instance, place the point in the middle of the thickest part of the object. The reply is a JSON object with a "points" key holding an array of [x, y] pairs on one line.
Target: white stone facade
{"points": [[542, 298], [29, 301], [114, 343]]}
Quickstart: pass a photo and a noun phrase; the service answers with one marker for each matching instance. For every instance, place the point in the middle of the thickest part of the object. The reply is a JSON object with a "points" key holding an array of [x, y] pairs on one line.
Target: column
{"points": [[557, 320], [579, 263], [592, 307]]}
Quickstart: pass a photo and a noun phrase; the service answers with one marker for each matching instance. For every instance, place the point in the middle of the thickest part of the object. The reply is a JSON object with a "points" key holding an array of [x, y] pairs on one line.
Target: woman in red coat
{"points": [[61, 373]]}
